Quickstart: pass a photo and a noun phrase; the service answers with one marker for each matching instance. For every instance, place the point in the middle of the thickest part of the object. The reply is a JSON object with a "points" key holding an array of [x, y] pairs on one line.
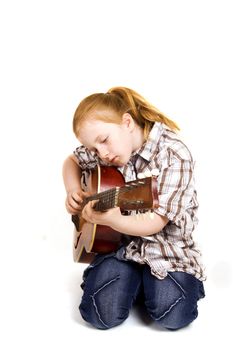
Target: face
{"points": [[112, 142]]}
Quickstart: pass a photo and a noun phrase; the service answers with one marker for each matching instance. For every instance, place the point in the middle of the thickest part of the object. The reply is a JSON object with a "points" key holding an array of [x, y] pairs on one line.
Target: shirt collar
{"points": [[149, 147]]}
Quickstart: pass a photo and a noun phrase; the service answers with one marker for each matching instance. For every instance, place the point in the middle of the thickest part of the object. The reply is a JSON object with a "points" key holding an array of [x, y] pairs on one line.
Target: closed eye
{"points": [[104, 140]]}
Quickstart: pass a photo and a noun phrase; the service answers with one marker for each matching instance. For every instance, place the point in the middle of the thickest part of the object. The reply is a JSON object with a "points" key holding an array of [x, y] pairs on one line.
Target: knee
{"points": [[100, 316], [176, 323], [177, 316], [104, 307], [173, 301]]}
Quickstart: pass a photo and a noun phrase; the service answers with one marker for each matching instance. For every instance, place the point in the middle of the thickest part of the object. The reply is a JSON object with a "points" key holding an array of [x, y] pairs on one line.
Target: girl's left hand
{"points": [[108, 218]]}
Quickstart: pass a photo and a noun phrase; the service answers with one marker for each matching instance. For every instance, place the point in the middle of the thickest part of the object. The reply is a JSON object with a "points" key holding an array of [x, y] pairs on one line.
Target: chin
{"points": [[121, 163], [118, 163]]}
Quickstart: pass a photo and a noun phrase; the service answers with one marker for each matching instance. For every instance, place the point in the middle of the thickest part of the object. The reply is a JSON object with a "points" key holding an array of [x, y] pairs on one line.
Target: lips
{"points": [[111, 160], [114, 159]]}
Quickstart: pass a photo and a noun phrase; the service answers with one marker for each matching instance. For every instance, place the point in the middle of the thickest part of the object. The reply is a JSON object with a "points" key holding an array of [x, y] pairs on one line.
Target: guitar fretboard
{"points": [[109, 199], [106, 199]]}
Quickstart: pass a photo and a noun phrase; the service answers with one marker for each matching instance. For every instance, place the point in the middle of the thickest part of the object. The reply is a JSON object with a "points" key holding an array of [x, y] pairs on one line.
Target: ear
{"points": [[128, 121]]}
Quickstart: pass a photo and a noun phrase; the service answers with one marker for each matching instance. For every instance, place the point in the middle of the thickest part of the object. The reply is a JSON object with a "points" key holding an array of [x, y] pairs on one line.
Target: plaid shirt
{"points": [[173, 248]]}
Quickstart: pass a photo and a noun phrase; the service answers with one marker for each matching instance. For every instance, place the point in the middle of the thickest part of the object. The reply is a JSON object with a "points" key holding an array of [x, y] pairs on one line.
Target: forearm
{"points": [[140, 224], [71, 174]]}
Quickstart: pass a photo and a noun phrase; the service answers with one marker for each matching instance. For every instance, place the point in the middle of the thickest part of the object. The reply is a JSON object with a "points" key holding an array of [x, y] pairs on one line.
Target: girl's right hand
{"points": [[74, 201]]}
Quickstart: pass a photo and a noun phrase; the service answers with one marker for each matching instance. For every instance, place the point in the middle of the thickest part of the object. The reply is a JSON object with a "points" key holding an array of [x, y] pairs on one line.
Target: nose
{"points": [[103, 153]]}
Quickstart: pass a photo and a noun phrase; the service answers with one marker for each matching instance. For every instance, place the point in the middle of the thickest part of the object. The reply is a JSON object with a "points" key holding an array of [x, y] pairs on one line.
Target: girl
{"points": [[158, 259]]}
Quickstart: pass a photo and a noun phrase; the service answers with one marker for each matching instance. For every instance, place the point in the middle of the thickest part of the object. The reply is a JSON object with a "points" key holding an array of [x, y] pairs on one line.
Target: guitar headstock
{"points": [[139, 194]]}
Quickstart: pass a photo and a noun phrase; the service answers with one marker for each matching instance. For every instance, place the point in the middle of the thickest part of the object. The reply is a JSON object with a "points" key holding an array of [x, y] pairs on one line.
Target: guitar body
{"points": [[90, 239]]}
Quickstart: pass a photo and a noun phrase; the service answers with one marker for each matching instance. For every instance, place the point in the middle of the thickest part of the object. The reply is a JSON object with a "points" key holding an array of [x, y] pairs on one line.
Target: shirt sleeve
{"points": [[87, 160], [176, 189]]}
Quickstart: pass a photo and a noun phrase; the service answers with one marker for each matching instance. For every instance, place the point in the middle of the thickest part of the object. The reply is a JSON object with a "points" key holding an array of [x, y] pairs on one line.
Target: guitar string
{"points": [[109, 195], [112, 190]]}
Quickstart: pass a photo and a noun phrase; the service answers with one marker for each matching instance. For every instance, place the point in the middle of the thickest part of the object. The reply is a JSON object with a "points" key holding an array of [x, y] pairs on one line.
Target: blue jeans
{"points": [[111, 286]]}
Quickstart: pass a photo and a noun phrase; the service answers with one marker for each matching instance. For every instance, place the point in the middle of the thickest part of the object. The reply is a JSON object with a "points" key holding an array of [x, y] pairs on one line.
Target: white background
{"points": [[177, 54]]}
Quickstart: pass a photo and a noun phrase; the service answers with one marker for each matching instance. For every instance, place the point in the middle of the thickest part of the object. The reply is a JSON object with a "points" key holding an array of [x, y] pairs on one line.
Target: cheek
{"points": [[121, 145], [125, 148]]}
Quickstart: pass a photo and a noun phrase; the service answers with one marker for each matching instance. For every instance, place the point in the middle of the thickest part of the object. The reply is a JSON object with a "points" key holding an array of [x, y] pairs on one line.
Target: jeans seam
{"points": [[163, 315], [175, 281], [94, 301], [176, 302]]}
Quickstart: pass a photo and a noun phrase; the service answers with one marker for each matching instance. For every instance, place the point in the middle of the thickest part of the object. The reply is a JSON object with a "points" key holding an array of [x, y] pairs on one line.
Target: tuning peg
{"points": [[144, 216], [148, 173], [140, 216], [151, 215], [145, 174], [155, 172], [140, 176]]}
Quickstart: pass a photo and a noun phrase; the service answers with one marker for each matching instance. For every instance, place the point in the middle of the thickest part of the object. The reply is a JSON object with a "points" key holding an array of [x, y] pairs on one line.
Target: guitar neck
{"points": [[106, 199], [138, 194]]}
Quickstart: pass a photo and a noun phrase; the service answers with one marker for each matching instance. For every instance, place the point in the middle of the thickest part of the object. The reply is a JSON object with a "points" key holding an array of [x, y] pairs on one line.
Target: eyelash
{"points": [[94, 150], [104, 140]]}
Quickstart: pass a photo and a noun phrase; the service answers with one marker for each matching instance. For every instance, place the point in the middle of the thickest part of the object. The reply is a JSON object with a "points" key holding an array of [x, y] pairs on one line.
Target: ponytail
{"points": [[144, 113], [120, 100]]}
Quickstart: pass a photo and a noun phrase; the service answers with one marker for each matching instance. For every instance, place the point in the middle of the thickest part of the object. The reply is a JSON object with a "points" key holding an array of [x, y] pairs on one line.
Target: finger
{"points": [[74, 204], [75, 201], [93, 203], [87, 212], [85, 215], [86, 194], [71, 209], [77, 198], [88, 209]]}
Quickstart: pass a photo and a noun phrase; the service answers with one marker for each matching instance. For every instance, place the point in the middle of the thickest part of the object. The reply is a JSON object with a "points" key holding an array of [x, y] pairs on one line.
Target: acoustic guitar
{"points": [[107, 185]]}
